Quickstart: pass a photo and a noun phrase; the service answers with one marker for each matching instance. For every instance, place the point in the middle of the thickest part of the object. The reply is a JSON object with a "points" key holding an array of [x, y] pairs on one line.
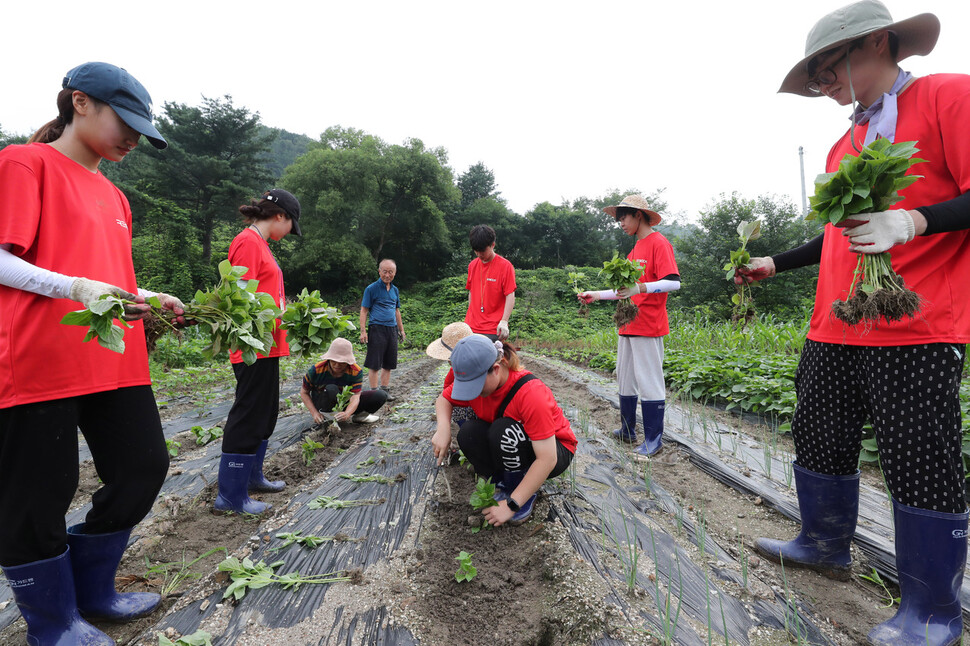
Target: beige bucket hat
{"points": [[451, 335], [917, 36], [639, 203], [341, 351]]}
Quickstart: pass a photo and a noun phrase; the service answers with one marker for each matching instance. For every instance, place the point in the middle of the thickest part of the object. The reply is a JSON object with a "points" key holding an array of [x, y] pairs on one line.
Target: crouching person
{"points": [[521, 437], [325, 380]]}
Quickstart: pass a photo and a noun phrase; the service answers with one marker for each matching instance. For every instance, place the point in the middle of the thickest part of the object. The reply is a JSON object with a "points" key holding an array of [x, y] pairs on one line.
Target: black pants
{"points": [[326, 399], [503, 446], [39, 468], [252, 417], [910, 395]]}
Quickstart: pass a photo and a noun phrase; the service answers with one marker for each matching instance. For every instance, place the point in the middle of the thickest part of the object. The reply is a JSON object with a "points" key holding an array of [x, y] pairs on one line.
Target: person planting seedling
{"points": [[327, 379], [902, 376], [640, 348]]}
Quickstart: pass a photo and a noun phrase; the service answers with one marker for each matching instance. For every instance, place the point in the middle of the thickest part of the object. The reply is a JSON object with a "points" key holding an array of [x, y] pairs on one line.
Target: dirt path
{"points": [[559, 579]]}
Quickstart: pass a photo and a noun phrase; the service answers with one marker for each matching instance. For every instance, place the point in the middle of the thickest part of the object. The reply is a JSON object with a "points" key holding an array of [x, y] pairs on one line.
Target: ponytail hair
{"points": [[53, 129], [258, 210], [510, 357]]}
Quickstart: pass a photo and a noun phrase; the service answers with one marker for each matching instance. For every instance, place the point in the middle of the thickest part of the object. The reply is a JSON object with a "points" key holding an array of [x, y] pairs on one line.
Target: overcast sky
{"points": [[559, 99]]}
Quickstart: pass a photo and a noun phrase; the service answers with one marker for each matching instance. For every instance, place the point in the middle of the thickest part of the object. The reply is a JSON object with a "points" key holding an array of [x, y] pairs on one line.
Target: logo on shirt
{"points": [[491, 280], [122, 224]]}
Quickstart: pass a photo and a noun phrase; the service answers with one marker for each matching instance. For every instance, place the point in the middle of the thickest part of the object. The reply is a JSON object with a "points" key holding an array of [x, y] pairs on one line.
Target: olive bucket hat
{"points": [[917, 36]]}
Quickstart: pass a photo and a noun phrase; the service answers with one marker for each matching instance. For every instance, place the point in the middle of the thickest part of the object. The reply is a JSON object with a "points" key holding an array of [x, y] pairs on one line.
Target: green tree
{"points": [[215, 161], [7, 139], [702, 253], [365, 200], [477, 183]]}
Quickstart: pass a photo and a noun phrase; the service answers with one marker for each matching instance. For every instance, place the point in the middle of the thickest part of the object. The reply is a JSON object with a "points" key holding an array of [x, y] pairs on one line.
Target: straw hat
{"points": [[639, 203], [450, 336], [341, 351], [917, 36]]}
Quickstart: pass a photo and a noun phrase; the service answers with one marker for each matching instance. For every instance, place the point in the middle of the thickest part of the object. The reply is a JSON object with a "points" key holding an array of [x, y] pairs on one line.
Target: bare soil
{"points": [[531, 587]]}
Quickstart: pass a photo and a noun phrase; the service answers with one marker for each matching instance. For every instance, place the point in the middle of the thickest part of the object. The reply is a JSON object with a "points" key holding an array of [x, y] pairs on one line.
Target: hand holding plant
{"points": [[622, 273], [743, 310], [311, 324], [869, 183]]}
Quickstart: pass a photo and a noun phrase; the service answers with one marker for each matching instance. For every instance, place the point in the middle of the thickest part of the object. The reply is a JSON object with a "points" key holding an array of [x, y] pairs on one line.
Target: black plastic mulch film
{"points": [[601, 507]]}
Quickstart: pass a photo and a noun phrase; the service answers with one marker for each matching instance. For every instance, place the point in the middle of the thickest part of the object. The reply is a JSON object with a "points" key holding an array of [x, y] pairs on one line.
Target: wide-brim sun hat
{"points": [[639, 203], [917, 36], [471, 360], [122, 91], [341, 351], [450, 336]]}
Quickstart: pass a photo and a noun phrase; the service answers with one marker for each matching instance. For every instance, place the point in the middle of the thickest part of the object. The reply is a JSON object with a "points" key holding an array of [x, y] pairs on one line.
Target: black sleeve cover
{"points": [[809, 253], [952, 215]]}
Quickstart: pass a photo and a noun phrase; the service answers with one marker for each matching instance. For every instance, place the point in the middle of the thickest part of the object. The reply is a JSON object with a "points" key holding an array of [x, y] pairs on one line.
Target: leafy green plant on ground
{"points": [[173, 447], [869, 183], [332, 502], [311, 324], [205, 435], [176, 573], [481, 498], [198, 638], [466, 571], [309, 450], [248, 575]]}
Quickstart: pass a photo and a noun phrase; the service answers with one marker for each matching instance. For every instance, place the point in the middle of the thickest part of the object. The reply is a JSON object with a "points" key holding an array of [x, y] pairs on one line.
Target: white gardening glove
{"points": [[879, 232], [502, 330], [627, 292], [86, 291]]}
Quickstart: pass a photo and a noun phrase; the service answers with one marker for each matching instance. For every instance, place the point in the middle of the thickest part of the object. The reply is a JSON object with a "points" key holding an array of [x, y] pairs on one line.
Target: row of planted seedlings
{"points": [[651, 563]]}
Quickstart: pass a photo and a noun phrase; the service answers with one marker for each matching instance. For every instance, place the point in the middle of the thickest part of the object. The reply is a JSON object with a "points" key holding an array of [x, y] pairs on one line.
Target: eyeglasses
{"points": [[828, 75]]}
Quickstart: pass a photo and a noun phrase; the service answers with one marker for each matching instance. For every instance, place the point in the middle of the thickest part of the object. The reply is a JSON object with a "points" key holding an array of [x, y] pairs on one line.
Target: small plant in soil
{"points": [[309, 450], [176, 573], [881, 583], [173, 447], [619, 273], [247, 575], [311, 542], [869, 183], [482, 497], [198, 638], [376, 477], [466, 571], [332, 502], [743, 305], [205, 435], [311, 324]]}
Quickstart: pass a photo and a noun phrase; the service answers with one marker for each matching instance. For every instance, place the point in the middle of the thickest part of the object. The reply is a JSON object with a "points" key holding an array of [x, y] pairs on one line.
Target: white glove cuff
{"points": [[910, 226]]}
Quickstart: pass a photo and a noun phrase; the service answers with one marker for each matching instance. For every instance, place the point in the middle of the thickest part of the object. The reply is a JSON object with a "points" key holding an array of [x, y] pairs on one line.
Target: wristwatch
{"points": [[514, 506]]}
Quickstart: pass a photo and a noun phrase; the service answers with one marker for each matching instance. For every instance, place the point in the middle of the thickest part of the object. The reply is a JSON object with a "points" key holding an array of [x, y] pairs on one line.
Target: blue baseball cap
{"points": [[471, 360], [122, 91]]}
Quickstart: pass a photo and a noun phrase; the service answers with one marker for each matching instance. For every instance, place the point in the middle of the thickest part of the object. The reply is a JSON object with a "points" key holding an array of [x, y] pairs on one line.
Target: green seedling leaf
{"points": [[466, 571]]}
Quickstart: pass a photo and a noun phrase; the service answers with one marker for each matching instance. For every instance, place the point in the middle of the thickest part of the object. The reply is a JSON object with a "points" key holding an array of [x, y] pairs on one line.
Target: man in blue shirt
{"points": [[383, 303]]}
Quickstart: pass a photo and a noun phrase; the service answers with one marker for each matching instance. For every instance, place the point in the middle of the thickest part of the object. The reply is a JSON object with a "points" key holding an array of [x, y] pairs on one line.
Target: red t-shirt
{"points": [[489, 283], [248, 249], [60, 216], [533, 405], [934, 112], [656, 256]]}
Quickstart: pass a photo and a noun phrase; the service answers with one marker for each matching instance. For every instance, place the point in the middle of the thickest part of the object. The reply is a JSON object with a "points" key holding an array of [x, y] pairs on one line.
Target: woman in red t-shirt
{"points": [[252, 418], [65, 238], [521, 437]]}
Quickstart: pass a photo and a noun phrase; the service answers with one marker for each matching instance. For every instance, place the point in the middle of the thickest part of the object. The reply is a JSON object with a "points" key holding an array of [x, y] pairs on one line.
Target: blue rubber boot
{"points": [[257, 481], [511, 480], [94, 561], [931, 552], [829, 506], [44, 592], [234, 470], [628, 419], [653, 429]]}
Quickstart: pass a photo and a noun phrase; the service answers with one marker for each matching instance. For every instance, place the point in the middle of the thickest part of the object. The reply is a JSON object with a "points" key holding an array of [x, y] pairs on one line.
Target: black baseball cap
{"points": [[288, 202], [122, 91]]}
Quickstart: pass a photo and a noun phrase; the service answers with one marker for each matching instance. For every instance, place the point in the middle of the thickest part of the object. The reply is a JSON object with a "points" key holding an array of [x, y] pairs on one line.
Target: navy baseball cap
{"points": [[288, 202], [122, 91], [471, 360]]}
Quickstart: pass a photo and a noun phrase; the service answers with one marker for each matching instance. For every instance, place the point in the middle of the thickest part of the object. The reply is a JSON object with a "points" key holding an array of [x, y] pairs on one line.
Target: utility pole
{"points": [[801, 164]]}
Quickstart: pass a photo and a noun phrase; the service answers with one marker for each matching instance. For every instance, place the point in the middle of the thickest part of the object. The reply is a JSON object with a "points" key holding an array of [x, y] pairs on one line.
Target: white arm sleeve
{"points": [[146, 293], [18, 273], [660, 286], [606, 295]]}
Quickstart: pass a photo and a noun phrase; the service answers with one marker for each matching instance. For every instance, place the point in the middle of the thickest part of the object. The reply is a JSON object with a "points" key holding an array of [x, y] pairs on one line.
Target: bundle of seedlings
{"points": [[869, 183], [743, 304], [234, 314], [311, 324], [619, 273]]}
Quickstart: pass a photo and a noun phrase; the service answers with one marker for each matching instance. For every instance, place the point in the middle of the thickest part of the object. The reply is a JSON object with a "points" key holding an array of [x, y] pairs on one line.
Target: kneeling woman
{"points": [[521, 437], [325, 380]]}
